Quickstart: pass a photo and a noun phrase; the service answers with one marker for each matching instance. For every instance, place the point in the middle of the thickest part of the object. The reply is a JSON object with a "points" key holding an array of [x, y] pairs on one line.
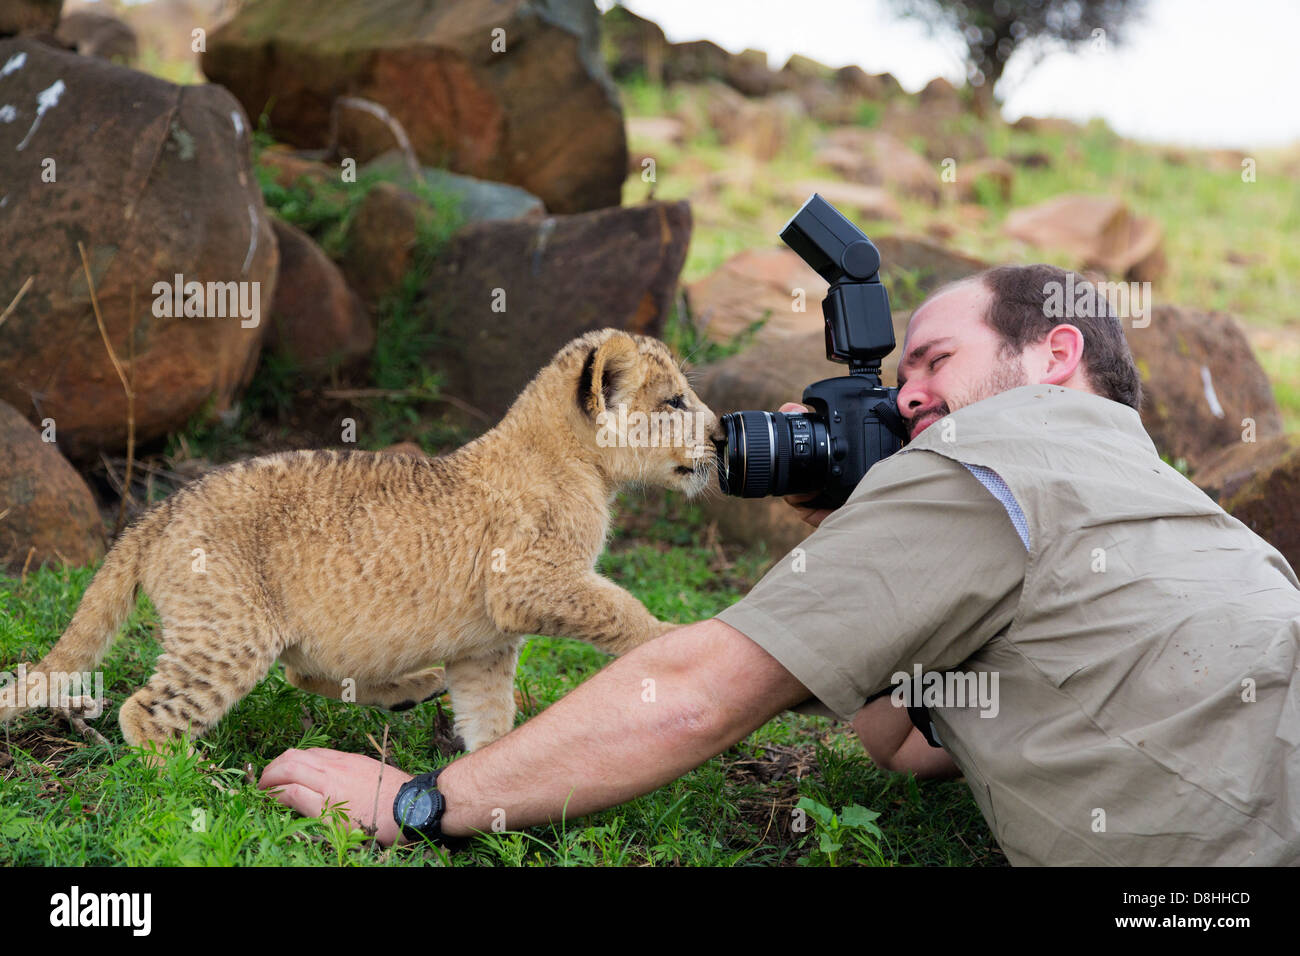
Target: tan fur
{"points": [[374, 568]]}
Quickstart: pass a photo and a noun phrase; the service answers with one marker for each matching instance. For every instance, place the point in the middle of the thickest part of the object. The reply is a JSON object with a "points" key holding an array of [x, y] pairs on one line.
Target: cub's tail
{"points": [[104, 607]]}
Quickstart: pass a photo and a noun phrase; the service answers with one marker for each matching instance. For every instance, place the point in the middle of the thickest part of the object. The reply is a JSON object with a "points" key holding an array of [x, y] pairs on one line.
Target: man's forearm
{"points": [[644, 720]]}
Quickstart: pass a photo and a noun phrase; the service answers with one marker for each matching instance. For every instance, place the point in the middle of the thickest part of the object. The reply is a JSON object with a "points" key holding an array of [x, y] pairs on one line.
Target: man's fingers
{"points": [[794, 407], [310, 767], [304, 800]]}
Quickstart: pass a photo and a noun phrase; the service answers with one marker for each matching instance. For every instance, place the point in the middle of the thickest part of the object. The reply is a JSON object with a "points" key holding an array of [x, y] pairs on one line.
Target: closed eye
{"points": [[677, 401], [937, 359]]}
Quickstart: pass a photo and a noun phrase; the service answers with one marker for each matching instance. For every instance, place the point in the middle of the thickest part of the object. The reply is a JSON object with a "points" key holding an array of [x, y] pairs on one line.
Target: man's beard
{"points": [[1006, 375]]}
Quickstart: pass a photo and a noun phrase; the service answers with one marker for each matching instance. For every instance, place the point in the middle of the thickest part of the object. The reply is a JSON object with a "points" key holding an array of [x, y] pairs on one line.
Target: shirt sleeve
{"points": [[922, 565]]}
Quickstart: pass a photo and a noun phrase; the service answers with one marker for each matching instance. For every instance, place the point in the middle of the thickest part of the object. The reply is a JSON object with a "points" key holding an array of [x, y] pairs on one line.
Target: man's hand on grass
{"points": [[308, 779], [811, 516]]}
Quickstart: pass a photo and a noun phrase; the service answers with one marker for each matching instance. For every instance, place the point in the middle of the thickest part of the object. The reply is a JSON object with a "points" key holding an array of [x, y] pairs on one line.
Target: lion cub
{"points": [[360, 571]]}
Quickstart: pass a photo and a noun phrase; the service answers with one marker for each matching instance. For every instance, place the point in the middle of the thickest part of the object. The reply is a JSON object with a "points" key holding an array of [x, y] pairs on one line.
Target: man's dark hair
{"points": [[1019, 315]]}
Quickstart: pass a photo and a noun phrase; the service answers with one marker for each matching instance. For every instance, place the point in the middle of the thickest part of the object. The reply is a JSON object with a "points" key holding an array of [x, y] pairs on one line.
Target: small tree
{"points": [[994, 29]]}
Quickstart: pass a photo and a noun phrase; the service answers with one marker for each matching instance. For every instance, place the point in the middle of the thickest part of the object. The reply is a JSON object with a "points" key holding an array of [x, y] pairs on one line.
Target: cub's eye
{"points": [[677, 401]]}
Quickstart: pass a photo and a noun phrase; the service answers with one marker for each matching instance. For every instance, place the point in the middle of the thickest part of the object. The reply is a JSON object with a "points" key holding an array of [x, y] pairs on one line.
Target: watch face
{"points": [[415, 807]]}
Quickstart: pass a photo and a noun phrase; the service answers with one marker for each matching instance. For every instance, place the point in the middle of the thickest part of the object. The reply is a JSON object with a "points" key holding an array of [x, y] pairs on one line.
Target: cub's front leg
{"points": [[572, 601]]}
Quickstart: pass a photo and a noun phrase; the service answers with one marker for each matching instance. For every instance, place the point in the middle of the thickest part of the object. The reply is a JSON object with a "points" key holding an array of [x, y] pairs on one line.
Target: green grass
{"points": [[66, 802]]}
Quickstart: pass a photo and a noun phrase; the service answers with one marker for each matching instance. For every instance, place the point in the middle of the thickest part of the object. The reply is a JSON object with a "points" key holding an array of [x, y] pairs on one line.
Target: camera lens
{"points": [[772, 453]]}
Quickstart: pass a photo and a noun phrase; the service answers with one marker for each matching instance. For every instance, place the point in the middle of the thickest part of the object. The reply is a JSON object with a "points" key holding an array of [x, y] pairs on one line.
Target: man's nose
{"points": [[910, 398]]}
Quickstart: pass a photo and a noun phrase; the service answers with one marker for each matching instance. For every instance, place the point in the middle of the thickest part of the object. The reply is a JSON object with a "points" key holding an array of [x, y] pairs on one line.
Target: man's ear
{"points": [[611, 375], [1065, 352]]}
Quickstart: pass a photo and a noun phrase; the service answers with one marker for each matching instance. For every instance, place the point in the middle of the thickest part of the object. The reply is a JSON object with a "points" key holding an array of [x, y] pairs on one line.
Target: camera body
{"points": [[854, 421]]}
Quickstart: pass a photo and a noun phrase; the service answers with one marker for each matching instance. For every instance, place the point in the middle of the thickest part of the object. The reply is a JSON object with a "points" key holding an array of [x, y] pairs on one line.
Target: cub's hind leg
{"points": [[483, 694], [205, 669], [400, 694]]}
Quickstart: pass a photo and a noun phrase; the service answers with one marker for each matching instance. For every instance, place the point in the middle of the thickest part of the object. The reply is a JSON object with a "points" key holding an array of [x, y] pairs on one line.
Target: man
{"points": [[1141, 645]]}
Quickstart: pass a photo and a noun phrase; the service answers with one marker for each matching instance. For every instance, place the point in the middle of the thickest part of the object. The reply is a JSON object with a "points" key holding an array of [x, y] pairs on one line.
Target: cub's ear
{"points": [[611, 375]]}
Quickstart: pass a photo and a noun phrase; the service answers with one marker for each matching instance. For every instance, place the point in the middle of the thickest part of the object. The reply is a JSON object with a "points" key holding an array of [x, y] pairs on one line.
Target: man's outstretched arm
{"points": [[613, 738]]}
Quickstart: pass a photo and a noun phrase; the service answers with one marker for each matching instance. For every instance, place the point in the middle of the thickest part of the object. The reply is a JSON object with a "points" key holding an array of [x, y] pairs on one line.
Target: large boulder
{"points": [[317, 322], [504, 296], [46, 511], [542, 113], [155, 180], [758, 285], [928, 265], [1098, 231], [1200, 383], [29, 16]]}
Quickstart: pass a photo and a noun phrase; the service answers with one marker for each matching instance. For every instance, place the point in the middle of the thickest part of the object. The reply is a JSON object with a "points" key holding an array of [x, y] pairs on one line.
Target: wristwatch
{"points": [[419, 807]]}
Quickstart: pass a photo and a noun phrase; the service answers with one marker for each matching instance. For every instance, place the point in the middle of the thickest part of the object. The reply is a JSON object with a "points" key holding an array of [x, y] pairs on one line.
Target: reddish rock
{"points": [[996, 173], [758, 127], [940, 94], [860, 83], [1098, 231], [1047, 126], [288, 168], [1200, 380], [875, 158], [317, 322], [656, 129], [853, 199], [155, 180], [541, 114], [557, 278], [695, 61], [47, 513], [381, 240], [929, 265], [758, 285], [749, 73]]}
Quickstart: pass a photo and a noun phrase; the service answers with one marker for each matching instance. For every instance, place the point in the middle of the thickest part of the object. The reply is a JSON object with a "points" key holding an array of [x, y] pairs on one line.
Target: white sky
{"points": [[1194, 72]]}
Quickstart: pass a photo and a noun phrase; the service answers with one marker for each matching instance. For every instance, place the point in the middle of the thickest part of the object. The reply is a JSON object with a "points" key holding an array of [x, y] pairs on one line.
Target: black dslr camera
{"points": [[855, 421]]}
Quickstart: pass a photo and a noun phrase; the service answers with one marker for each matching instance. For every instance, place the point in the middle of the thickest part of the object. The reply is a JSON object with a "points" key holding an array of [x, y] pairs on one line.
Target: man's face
{"points": [[951, 358]]}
